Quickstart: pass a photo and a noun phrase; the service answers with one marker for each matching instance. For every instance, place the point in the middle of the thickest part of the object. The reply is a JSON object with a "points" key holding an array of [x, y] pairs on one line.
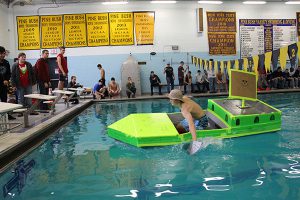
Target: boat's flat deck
{"points": [[252, 107]]}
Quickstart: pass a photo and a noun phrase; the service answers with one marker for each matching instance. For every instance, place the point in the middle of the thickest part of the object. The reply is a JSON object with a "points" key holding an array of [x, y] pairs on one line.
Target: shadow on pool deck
{"points": [[21, 140]]}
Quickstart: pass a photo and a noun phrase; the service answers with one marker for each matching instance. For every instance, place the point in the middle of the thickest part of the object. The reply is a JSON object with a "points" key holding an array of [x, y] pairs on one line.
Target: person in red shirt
{"points": [[43, 76], [62, 68], [22, 79]]}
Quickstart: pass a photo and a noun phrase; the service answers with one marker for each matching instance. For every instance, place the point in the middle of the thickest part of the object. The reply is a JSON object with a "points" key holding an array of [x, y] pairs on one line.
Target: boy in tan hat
{"points": [[195, 118]]}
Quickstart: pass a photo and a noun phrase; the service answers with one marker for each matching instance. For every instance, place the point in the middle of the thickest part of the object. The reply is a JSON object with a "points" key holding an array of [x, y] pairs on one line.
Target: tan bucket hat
{"points": [[176, 94]]}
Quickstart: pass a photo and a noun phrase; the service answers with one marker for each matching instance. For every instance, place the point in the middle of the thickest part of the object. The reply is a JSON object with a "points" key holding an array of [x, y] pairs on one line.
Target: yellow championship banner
{"points": [[52, 31], [75, 30], [121, 28], [97, 29], [144, 27], [28, 33]]}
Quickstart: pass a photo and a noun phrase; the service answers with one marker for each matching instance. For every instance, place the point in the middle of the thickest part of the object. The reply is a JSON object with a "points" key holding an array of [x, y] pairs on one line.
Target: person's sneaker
{"points": [[10, 117], [34, 113]]}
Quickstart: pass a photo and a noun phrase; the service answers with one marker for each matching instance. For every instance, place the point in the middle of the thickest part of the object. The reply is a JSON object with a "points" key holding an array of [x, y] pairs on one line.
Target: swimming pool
{"points": [[81, 162]]}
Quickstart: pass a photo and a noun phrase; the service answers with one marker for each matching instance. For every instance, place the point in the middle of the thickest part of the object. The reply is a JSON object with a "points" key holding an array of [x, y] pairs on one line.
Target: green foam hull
{"points": [[226, 119]]}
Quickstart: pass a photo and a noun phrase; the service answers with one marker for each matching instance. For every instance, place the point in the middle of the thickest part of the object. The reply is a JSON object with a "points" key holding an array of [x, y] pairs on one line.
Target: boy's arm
{"points": [[187, 115]]}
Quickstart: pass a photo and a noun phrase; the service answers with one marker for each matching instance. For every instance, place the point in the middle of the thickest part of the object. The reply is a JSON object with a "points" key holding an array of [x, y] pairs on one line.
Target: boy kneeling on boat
{"points": [[195, 117]]}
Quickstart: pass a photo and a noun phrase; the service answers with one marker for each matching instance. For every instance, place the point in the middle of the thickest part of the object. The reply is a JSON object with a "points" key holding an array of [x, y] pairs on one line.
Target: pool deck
{"points": [[20, 141]]}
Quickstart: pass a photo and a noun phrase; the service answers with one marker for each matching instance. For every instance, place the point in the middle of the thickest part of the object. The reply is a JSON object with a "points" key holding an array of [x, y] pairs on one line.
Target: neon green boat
{"points": [[229, 117]]}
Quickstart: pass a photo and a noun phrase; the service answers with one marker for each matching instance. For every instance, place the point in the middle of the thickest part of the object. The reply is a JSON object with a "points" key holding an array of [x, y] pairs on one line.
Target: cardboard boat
{"points": [[241, 114]]}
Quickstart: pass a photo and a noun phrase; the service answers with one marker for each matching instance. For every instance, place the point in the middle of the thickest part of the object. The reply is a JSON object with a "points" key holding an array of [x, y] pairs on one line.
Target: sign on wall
{"points": [[298, 24], [221, 28], [97, 29], [52, 31], [28, 33], [221, 43], [221, 22], [258, 36], [121, 28], [75, 30], [144, 27]]}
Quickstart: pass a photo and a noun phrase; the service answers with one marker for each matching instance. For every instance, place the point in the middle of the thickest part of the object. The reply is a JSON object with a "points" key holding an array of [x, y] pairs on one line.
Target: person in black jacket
{"points": [[296, 76], [73, 84], [22, 79], [5, 74], [155, 82]]}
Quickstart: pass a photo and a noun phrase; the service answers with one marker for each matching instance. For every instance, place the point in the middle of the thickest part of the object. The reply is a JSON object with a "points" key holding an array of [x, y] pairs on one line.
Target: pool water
{"points": [[81, 162]]}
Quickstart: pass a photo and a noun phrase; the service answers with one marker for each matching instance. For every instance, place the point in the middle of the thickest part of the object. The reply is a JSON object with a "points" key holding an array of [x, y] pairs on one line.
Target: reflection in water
{"points": [[262, 176], [214, 187], [294, 171], [18, 181], [164, 185], [158, 194], [133, 194]]}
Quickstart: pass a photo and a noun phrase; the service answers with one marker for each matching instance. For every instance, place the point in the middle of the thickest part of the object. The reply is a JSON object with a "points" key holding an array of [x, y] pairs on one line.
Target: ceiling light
{"points": [[210, 2], [163, 1], [254, 2], [114, 2], [292, 2]]}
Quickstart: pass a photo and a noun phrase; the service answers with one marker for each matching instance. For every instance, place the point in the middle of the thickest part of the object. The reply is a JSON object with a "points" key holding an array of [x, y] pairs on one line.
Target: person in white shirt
{"points": [[212, 80]]}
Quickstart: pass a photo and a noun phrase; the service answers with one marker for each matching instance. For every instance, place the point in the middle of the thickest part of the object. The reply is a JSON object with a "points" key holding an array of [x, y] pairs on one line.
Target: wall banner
{"points": [[75, 30], [28, 33], [221, 22], [221, 28], [298, 24], [52, 31], [221, 43], [97, 29], [121, 28], [258, 36], [144, 27]]}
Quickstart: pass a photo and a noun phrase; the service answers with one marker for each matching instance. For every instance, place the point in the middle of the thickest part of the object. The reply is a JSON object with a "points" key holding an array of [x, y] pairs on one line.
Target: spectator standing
{"points": [[62, 68], [212, 80], [5, 75], [43, 76], [181, 72], [169, 77], [22, 78], [155, 82], [102, 73], [130, 88]]}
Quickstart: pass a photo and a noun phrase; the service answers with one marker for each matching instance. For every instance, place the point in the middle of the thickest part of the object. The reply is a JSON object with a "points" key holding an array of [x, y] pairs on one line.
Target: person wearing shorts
{"points": [[62, 68], [195, 116]]}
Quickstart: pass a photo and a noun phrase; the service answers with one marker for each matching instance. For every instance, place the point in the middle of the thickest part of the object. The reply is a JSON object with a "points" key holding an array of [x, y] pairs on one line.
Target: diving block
{"points": [[60, 93]]}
